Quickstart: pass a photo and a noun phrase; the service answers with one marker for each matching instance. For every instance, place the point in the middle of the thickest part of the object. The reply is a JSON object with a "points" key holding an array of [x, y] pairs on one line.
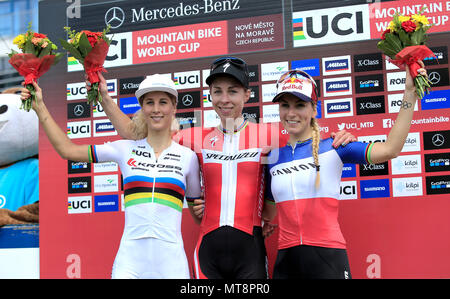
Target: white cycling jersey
{"points": [[154, 190]]}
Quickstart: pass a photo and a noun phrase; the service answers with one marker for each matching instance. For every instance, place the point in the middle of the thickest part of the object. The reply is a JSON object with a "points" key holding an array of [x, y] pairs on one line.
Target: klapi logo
{"points": [[333, 25]]}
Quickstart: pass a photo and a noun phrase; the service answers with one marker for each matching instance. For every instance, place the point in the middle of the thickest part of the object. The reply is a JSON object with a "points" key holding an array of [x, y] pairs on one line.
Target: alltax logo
{"points": [[337, 86], [336, 65], [338, 107], [103, 127]]}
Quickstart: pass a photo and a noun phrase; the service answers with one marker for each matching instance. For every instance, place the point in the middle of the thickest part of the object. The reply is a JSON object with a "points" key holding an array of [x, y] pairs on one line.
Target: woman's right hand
{"points": [[102, 87], [25, 94]]}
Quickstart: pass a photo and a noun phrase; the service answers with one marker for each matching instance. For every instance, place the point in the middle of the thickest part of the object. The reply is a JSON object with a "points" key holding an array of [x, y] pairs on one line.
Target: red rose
{"points": [[383, 36], [409, 26], [92, 40], [39, 35]]}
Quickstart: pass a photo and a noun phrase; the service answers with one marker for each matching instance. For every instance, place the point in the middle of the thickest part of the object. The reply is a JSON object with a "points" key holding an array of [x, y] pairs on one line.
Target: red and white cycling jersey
{"points": [[232, 172]]}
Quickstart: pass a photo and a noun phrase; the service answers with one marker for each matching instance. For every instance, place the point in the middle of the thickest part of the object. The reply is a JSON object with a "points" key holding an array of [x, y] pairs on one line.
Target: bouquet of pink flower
{"points": [[90, 49], [38, 55], [404, 42]]}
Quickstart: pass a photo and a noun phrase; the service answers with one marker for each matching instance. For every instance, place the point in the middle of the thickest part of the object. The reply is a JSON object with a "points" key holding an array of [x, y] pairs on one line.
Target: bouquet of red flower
{"points": [[90, 49], [38, 55], [404, 42]]}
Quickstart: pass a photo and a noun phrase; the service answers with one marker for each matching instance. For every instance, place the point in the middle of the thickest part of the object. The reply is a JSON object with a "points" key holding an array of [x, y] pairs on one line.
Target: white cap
{"points": [[156, 82]]}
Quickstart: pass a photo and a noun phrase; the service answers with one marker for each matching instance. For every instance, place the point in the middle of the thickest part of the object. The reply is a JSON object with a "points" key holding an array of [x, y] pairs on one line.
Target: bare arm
{"points": [[121, 122], [62, 144], [383, 151]]}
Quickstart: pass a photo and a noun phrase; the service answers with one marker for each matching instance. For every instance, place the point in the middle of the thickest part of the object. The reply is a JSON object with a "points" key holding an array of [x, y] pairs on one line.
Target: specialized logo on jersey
{"points": [[248, 155]]}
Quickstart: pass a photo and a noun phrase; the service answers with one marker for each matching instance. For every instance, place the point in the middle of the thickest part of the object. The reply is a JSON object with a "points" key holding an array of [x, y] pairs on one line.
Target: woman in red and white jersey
{"points": [[304, 180]]}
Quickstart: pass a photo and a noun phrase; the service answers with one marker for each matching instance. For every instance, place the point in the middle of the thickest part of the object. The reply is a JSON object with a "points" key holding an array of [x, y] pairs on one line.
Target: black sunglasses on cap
{"points": [[233, 60], [297, 74]]}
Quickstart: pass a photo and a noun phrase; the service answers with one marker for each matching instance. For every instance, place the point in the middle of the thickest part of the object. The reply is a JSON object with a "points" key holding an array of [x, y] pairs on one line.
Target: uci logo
{"points": [[333, 25]]}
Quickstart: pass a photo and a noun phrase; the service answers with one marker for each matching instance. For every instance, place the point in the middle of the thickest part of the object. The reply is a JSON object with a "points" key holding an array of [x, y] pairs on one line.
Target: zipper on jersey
{"points": [[293, 191]]}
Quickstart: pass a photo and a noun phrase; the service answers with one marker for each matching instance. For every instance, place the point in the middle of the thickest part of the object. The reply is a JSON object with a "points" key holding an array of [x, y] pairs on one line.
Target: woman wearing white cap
{"points": [[157, 174], [304, 179]]}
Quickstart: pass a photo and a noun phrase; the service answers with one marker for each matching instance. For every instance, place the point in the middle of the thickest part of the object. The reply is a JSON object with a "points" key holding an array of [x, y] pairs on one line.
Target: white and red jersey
{"points": [[232, 172]]}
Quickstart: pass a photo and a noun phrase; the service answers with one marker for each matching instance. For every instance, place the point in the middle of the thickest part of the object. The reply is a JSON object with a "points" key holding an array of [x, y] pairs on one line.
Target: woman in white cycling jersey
{"points": [[304, 180], [157, 172]]}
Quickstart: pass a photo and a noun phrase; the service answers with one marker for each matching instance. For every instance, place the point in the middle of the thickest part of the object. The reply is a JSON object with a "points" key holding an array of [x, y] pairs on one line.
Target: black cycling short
{"points": [[229, 253], [312, 262]]}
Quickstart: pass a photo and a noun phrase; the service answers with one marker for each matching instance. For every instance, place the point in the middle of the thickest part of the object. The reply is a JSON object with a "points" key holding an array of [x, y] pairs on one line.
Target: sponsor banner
{"points": [[129, 85], [338, 107], [254, 95], [76, 91], [180, 42], [79, 129], [78, 167], [206, 99], [368, 62], [268, 92], [441, 54], [374, 188], [406, 164], [438, 184], [396, 81], [273, 71], [210, 119], [79, 185], [78, 110], [355, 125], [336, 65], [372, 138], [142, 14], [79, 204], [189, 119], [187, 80], [251, 113], [271, 113], [310, 66], [348, 190], [369, 83], [106, 203], [374, 169], [253, 74], [438, 77], [436, 140], [437, 162], [255, 34], [370, 105], [106, 183], [395, 102], [411, 186], [129, 105], [349, 170], [381, 13], [412, 143], [105, 167], [97, 110], [103, 127], [337, 86], [331, 25], [187, 100], [437, 99]]}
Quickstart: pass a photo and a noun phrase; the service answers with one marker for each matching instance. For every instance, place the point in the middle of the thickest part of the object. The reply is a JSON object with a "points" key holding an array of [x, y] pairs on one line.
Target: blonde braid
{"points": [[315, 149]]}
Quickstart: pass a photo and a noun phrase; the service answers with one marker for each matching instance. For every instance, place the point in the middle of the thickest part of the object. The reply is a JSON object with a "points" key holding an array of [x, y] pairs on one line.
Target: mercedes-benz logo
{"points": [[434, 77], [78, 110], [187, 100], [115, 17], [438, 140]]}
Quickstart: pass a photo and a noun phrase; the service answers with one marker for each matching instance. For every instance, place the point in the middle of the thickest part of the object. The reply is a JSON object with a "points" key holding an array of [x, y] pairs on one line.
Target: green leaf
{"points": [[387, 49], [28, 47], [84, 45], [72, 50], [394, 41], [404, 37], [58, 57], [45, 51]]}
